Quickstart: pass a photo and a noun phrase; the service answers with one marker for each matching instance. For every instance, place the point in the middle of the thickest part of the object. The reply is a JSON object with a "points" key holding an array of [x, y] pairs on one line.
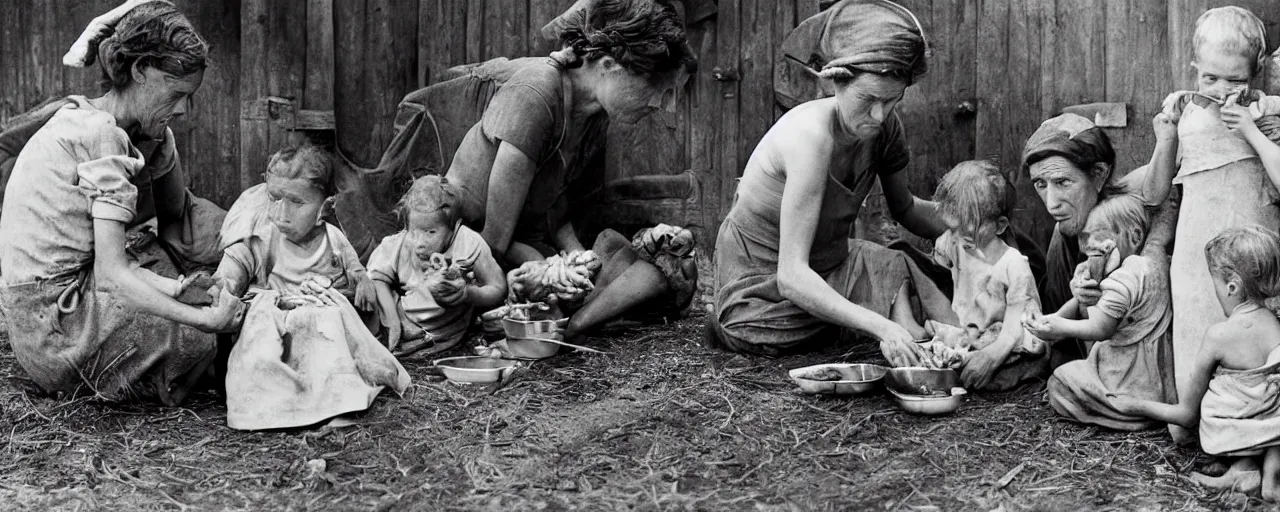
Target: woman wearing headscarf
{"points": [[1070, 163], [787, 274], [82, 314]]}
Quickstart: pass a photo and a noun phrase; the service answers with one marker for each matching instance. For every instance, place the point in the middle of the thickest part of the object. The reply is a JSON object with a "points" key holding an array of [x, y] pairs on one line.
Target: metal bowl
{"points": [[858, 378], [525, 329], [530, 348], [906, 386], [475, 369]]}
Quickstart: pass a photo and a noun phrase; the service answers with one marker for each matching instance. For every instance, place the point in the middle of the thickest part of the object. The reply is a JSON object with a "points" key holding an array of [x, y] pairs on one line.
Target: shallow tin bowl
{"points": [[525, 329], [905, 385], [531, 348], [475, 369], [858, 378]]}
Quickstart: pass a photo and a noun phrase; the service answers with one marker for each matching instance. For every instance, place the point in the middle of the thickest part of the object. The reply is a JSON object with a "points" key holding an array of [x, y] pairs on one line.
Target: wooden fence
{"points": [[339, 67]]}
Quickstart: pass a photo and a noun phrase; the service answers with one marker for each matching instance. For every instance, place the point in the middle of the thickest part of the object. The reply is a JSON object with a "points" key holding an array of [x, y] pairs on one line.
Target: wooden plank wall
{"points": [[1023, 62], [34, 34]]}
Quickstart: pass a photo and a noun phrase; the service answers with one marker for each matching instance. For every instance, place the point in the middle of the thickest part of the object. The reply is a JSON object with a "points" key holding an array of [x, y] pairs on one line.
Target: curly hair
{"points": [[155, 35], [644, 36], [1122, 212], [1251, 253], [307, 162]]}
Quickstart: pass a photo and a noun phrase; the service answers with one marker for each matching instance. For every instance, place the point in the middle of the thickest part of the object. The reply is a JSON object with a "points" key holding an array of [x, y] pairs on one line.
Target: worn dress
{"points": [[1240, 412], [66, 332], [751, 315], [1223, 186]]}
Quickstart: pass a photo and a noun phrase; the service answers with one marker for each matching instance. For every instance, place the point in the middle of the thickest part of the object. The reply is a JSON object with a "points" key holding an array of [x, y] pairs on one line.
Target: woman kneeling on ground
{"points": [[515, 168], [82, 314], [787, 274]]}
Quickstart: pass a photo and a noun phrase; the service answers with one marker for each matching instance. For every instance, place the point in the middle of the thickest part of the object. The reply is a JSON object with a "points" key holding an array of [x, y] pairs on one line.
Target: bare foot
{"points": [[1244, 476]]}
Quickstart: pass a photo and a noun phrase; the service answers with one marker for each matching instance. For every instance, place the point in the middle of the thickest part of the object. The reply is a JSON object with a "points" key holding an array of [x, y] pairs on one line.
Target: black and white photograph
{"points": [[652, 255]]}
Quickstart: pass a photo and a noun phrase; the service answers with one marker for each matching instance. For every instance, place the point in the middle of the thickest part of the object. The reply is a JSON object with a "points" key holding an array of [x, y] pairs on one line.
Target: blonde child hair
{"points": [[1122, 213], [1234, 29], [432, 193], [1250, 253], [973, 192]]}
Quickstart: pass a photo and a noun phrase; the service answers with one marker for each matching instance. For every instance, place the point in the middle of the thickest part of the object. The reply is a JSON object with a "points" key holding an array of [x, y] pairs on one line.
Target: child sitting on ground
{"points": [[303, 355], [993, 281], [428, 306], [1232, 391], [1130, 322]]}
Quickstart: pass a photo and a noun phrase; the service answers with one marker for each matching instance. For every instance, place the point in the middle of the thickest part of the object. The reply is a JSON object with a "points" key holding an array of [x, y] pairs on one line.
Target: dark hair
{"points": [[152, 35], [1084, 149], [644, 36], [307, 162]]}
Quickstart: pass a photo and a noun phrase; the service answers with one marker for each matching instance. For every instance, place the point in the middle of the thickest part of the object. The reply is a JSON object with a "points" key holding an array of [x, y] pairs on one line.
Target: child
{"points": [[993, 281], [1232, 389], [419, 305], [303, 355], [1224, 181], [1129, 324]]}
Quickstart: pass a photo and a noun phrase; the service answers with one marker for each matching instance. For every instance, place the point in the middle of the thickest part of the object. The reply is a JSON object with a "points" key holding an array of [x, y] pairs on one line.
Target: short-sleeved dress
{"points": [[751, 315], [983, 292], [530, 112], [66, 332], [297, 367], [391, 263], [1137, 360]]}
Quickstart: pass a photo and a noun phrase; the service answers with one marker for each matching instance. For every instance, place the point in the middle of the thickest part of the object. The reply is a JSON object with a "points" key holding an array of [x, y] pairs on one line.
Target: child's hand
{"points": [[394, 332], [1165, 126], [1238, 118], [366, 293], [193, 290], [1124, 403], [979, 367], [1084, 287], [1047, 327], [448, 292]]}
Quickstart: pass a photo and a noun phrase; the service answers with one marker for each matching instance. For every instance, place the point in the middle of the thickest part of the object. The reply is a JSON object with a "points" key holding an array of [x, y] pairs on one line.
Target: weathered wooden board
{"points": [[254, 133], [1137, 74]]}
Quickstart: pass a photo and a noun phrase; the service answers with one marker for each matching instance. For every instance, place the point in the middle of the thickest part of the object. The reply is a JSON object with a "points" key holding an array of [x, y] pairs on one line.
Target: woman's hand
{"points": [[980, 366], [1237, 117], [226, 314], [1165, 126], [898, 346], [366, 293], [1085, 288]]}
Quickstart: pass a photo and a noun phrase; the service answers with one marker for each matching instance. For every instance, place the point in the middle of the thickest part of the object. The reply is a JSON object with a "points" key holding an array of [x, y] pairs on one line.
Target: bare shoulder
{"points": [[808, 125]]}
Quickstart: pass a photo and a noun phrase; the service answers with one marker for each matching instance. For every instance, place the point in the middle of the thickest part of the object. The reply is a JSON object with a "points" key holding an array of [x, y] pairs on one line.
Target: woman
{"points": [[1069, 162], [517, 165], [787, 274], [82, 314]]}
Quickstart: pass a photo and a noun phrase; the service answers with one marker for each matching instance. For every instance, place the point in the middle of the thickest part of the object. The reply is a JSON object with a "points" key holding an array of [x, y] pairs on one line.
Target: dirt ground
{"points": [[661, 423]]}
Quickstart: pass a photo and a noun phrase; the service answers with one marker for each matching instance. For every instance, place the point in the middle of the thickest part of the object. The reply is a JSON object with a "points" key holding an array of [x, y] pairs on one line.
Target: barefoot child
{"points": [[303, 355], [1232, 389], [1216, 159], [1128, 327], [993, 281], [419, 306]]}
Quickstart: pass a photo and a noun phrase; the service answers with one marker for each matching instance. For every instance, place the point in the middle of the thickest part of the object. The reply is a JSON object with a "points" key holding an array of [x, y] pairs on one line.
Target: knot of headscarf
{"points": [[877, 36]]}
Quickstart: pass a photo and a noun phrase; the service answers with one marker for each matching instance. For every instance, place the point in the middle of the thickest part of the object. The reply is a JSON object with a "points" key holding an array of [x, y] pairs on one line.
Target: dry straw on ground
{"points": [[660, 424]]}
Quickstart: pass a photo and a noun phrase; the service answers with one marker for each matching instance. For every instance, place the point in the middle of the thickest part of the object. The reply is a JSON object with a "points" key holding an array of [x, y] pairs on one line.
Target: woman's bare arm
{"points": [[917, 215], [512, 174]]}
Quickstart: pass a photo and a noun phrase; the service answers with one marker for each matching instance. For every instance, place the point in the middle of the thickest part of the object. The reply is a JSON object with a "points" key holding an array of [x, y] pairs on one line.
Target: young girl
{"points": [[420, 306], [1232, 389], [303, 355], [1216, 160], [993, 281], [1129, 325]]}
